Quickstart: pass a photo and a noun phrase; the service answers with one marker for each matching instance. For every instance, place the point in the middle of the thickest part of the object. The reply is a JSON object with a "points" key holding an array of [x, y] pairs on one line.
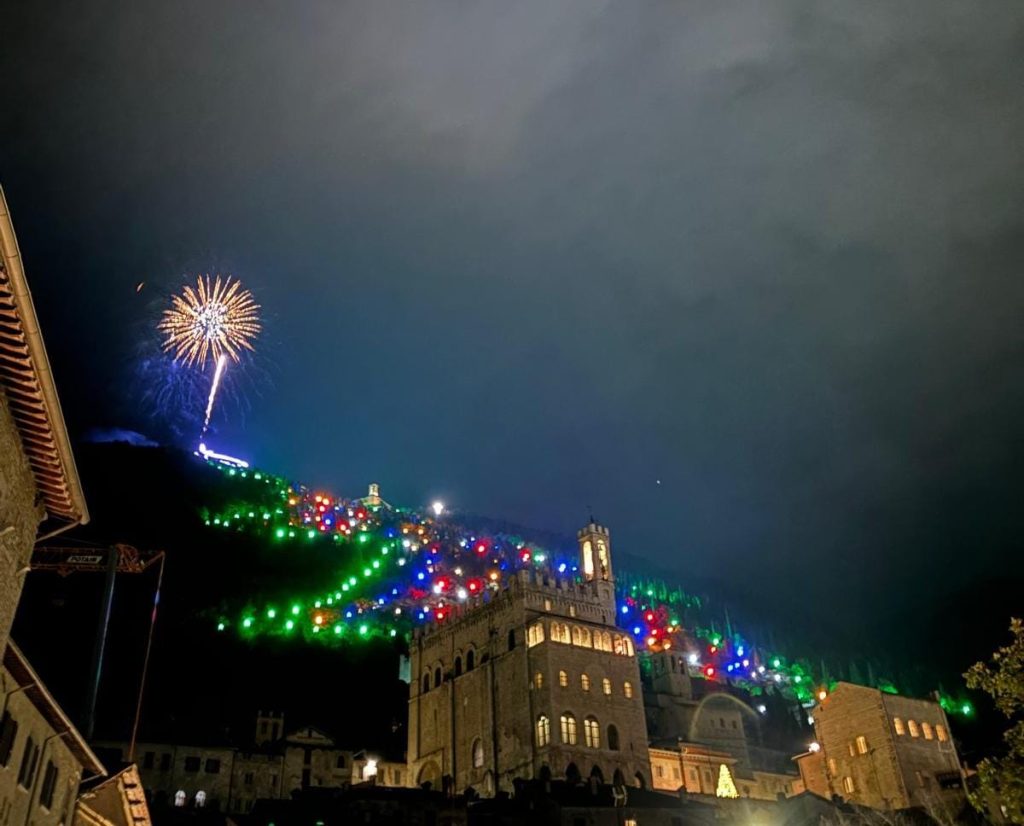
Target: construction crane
{"points": [[112, 560]]}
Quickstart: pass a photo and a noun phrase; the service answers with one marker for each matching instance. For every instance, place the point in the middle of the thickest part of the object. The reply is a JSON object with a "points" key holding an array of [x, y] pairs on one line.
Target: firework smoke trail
{"points": [[217, 374]]}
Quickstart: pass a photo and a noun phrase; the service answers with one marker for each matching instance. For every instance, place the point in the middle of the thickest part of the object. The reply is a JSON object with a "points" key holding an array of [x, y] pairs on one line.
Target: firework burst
{"points": [[217, 318]]}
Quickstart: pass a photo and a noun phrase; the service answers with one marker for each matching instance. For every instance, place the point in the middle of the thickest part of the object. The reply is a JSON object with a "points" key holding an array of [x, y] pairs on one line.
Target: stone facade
{"points": [[232, 779], [536, 680], [886, 751], [42, 756], [20, 516], [673, 711]]}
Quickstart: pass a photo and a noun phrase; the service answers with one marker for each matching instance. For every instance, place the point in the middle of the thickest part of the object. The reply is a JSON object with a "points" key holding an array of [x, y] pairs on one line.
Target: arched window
{"points": [[618, 646], [535, 634], [912, 726], [200, 799], [458, 666], [569, 736], [926, 730], [606, 687], [629, 646], [470, 660], [437, 676], [581, 636], [511, 638], [597, 774], [563, 679], [478, 753], [613, 738], [940, 732], [641, 781], [538, 680], [543, 730], [585, 682], [897, 724], [592, 733], [627, 689], [426, 682], [560, 632], [180, 797], [572, 773]]}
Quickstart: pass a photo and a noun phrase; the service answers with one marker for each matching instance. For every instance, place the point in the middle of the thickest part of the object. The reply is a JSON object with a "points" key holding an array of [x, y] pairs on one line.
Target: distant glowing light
{"points": [[437, 508], [815, 747]]}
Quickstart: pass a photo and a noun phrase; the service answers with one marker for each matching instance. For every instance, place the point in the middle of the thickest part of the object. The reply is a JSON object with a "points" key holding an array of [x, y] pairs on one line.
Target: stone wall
{"points": [[19, 519], [24, 803]]}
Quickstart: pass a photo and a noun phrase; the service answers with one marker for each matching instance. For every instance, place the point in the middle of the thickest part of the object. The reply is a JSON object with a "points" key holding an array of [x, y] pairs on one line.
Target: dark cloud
{"points": [[538, 256]]}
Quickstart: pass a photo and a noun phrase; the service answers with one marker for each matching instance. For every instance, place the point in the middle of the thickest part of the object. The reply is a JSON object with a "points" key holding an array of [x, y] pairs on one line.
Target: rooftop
{"points": [[27, 383]]}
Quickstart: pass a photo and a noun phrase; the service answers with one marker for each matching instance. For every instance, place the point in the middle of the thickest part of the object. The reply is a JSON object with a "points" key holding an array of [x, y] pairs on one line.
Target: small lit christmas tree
{"points": [[726, 788]]}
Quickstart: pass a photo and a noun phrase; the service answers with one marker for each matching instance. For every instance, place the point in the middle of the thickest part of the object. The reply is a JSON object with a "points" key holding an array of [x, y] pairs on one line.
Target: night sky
{"points": [[743, 278]]}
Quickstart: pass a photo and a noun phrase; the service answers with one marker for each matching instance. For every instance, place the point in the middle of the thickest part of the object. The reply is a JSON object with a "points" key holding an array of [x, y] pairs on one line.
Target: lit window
{"points": [[543, 730], [897, 724], [478, 753], [926, 730], [563, 679], [560, 632], [832, 766], [940, 732], [581, 636], [659, 771], [538, 680], [200, 799], [547, 604], [852, 748], [568, 729], [592, 733], [914, 732], [627, 689], [585, 682], [848, 785], [535, 634], [618, 646], [862, 745], [606, 686], [629, 647], [179, 798]]}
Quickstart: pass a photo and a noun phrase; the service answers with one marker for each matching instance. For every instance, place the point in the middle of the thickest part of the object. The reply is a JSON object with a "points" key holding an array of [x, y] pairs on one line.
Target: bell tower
{"points": [[596, 562]]}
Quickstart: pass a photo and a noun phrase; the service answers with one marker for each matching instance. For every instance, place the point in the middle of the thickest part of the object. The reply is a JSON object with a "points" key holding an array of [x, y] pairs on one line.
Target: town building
{"points": [[701, 734], [118, 800], [536, 681], [42, 755], [882, 750], [276, 764], [43, 758]]}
